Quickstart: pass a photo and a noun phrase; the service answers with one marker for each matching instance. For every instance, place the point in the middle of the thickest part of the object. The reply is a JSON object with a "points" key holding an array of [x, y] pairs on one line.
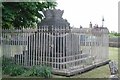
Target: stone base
{"points": [[74, 71]]}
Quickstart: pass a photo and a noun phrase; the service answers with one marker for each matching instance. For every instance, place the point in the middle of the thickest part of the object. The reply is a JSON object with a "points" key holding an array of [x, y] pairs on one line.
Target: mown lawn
{"points": [[113, 53], [101, 72]]}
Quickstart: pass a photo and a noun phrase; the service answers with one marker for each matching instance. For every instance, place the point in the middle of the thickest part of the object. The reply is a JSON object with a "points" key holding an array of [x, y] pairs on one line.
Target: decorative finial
{"points": [[80, 26], [90, 25], [103, 21]]}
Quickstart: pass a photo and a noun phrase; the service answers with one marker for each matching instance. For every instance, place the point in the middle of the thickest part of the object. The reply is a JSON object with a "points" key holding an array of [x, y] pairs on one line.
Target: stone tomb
{"points": [[66, 50]]}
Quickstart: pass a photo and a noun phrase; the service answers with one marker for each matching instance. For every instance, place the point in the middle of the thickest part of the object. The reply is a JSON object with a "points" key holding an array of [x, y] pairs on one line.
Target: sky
{"points": [[82, 12]]}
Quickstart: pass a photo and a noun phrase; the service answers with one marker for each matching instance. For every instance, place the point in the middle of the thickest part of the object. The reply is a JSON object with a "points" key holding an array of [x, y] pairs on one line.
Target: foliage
{"points": [[8, 67], [23, 14], [14, 70], [114, 34], [117, 34], [40, 71], [6, 62]]}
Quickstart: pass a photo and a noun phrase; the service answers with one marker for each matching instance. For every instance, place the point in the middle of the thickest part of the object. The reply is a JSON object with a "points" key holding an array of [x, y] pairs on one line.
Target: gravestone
{"points": [[113, 67], [114, 70]]}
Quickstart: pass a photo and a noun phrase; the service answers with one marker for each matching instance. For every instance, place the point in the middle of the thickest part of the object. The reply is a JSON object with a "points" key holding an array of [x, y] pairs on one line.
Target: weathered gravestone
{"points": [[113, 67], [114, 70]]}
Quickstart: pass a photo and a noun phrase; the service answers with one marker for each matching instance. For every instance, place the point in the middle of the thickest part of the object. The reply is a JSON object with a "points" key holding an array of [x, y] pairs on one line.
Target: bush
{"points": [[13, 70], [6, 62], [10, 68], [17, 70], [40, 71]]}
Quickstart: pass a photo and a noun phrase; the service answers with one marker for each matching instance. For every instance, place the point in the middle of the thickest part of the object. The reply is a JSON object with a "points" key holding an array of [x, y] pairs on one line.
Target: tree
{"points": [[23, 14]]}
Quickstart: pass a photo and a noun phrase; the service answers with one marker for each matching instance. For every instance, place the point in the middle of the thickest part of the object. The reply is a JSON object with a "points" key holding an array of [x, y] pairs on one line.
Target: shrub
{"points": [[40, 71], [14, 70], [10, 68], [17, 70], [6, 62], [6, 65]]}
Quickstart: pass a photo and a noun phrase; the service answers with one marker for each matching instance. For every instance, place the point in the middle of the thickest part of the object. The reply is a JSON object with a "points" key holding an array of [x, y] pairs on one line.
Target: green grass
{"points": [[113, 53], [100, 72]]}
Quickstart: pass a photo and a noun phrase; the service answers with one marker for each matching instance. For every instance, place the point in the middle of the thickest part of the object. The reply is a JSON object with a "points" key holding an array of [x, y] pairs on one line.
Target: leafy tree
{"points": [[114, 34], [23, 14]]}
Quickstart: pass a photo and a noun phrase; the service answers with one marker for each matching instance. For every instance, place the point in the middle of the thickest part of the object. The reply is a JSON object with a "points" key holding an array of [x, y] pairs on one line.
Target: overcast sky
{"points": [[81, 12]]}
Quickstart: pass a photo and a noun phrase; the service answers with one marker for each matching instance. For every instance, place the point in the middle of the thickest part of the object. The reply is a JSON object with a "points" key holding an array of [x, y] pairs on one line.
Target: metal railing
{"points": [[60, 49]]}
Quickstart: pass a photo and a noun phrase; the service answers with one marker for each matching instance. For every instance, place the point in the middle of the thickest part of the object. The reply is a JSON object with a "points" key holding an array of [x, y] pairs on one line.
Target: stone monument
{"points": [[54, 18]]}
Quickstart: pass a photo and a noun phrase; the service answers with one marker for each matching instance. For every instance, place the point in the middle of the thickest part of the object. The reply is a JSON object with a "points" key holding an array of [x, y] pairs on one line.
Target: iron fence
{"points": [[65, 50]]}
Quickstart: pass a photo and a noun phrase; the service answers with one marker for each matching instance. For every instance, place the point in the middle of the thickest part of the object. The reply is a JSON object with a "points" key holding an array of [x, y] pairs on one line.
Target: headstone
{"points": [[113, 67]]}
